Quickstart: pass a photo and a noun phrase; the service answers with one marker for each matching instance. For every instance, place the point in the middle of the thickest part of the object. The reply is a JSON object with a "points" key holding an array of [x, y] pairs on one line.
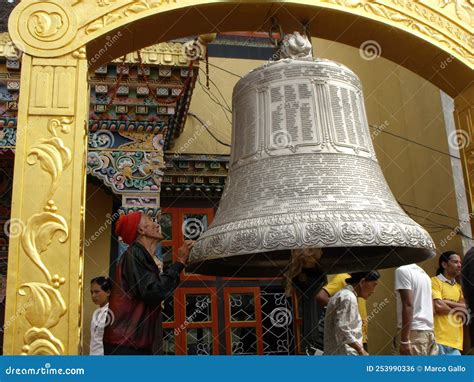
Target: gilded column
{"points": [[464, 116], [44, 287]]}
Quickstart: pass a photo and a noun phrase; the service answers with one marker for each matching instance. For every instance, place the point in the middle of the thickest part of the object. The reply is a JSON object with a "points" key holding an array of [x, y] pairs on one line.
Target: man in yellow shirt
{"points": [[336, 284], [450, 312]]}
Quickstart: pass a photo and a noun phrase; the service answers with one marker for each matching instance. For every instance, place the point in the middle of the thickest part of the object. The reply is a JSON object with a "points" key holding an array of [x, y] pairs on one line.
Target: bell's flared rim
{"points": [[333, 260], [346, 246]]}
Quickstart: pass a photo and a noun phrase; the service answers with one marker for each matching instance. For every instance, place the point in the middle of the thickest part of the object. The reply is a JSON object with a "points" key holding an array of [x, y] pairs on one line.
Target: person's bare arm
{"points": [[358, 348], [456, 305], [184, 250], [322, 298], [406, 295], [445, 307], [441, 307]]}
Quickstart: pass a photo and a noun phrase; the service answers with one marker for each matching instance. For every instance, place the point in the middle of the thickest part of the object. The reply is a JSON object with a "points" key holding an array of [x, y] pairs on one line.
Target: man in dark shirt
{"points": [[467, 282], [139, 289]]}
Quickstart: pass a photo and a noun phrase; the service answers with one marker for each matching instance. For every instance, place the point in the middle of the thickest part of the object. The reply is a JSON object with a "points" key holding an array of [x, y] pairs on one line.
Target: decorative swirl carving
{"points": [[357, 233], [45, 308], [100, 3], [391, 234], [322, 232], [464, 9], [427, 22], [54, 158], [48, 305], [103, 3], [127, 172], [279, 236], [37, 237], [45, 25], [101, 139], [244, 240], [40, 341], [64, 124], [138, 6]]}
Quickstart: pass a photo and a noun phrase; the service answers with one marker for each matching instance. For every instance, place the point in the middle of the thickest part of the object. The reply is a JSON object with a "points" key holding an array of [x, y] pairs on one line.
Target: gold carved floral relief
{"points": [[45, 305], [52, 154], [40, 341], [38, 234], [464, 9], [137, 6]]}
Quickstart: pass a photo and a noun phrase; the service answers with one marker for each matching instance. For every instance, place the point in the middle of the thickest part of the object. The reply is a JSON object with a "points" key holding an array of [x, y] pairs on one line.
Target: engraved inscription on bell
{"points": [[246, 123], [303, 109], [293, 119]]}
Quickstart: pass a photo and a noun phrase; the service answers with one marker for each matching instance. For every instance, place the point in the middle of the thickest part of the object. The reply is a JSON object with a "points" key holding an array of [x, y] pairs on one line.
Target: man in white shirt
{"points": [[414, 312], [343, 324]]}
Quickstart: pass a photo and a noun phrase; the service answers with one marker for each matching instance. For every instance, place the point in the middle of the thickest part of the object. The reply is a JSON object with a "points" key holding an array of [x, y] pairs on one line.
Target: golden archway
{"points": [[425, 36], [61, 38]]}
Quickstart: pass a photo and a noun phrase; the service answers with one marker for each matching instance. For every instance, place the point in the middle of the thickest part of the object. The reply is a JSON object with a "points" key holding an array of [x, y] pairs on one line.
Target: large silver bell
{"points": [[304, 174]]}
